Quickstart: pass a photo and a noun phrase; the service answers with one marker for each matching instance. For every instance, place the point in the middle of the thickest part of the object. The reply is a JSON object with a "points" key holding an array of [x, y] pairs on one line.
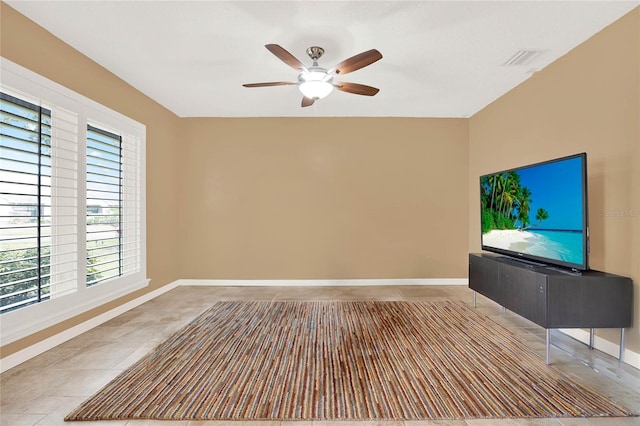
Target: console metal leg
{"points": [[548, 345], [591, 337], [621, 356], [474, 299]]}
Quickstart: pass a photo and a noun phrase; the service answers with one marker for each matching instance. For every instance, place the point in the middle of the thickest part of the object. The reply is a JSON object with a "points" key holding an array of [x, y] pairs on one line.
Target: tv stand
{"points": [[552, 298]]}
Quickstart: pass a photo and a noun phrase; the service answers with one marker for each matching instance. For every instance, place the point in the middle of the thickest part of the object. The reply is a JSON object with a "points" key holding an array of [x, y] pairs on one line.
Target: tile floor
{"points": [[44, 389]]}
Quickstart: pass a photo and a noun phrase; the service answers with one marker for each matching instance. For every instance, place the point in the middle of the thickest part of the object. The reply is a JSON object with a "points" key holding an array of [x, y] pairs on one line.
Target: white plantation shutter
{"points": [[64, 201], [114, 237], [131, 199], [48, 198]]}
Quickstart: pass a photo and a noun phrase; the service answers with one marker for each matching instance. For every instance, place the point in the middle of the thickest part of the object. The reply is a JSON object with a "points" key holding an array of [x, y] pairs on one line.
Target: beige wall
{"points": [[323, 198], [587, 101], [276, 198], [27, 44]]}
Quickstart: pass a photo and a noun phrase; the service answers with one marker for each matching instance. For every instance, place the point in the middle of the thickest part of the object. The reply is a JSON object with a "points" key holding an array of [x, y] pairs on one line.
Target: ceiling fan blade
{"points": [[285, 56], [307, 102], [359, 61], [272, 83], [357, 89]]}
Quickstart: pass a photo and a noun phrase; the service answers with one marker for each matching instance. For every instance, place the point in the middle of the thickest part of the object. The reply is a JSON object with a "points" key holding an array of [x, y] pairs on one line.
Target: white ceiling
{"points": [[441, 59]]}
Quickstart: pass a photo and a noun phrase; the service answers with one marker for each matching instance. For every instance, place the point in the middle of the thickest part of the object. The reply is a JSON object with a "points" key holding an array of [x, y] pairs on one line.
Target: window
{"points": [[113, 204], [25, 209], [38, 251], [71, 203]]}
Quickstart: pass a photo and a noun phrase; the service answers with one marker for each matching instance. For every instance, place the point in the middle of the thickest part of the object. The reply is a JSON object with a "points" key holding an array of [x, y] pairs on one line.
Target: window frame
{"points": [[25, 84]]}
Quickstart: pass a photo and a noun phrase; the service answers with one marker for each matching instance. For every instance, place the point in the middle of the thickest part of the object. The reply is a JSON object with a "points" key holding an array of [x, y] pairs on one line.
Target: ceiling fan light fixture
{"points": [[315, 84], [315, 89]]}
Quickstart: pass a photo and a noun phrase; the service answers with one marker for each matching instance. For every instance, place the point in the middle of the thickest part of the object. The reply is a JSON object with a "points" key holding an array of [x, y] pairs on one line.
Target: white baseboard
{"points": [[51, 342], [326, 283], [631, 358], [610, 348], [68, 334]]}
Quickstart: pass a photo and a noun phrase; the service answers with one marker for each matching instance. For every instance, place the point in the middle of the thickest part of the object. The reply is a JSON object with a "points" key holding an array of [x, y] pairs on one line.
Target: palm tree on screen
{"points": [[524, 206], [541, 215]]}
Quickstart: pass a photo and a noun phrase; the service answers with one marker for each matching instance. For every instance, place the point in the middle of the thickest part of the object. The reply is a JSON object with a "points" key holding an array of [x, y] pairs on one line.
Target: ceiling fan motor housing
{"points": [[315, 52]]}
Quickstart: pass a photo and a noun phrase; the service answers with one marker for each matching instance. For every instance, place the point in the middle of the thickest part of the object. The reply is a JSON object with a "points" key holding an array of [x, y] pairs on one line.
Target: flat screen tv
{"points": [[538, 212]]}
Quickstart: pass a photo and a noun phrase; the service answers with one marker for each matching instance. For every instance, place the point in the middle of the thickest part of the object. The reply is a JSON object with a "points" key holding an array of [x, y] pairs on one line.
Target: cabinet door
{"points": [[484, 277], [591, 300], [525, 292]]}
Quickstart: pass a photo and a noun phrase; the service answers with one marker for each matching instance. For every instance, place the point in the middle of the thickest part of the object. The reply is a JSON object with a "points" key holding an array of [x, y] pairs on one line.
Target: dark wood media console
{"points": [[552, 297]]}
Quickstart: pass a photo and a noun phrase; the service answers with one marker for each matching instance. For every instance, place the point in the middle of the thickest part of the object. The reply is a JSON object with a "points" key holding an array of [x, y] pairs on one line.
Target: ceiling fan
{"points": [[316, 82]]}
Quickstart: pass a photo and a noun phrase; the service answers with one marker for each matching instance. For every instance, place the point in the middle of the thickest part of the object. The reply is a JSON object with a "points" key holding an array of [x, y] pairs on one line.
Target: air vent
{"points": [[522, 57]]}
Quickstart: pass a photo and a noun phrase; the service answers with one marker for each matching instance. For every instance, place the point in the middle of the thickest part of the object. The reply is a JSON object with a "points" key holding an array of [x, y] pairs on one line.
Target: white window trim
{"points": [[14, 325]]}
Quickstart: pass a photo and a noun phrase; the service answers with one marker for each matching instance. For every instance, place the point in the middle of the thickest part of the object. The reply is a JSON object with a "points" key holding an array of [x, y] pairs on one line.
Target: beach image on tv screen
{"points": [[536, 210]]}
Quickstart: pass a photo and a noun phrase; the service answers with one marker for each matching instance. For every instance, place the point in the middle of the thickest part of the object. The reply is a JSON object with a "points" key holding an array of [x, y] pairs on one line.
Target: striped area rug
{"points": [[342, 361]]}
